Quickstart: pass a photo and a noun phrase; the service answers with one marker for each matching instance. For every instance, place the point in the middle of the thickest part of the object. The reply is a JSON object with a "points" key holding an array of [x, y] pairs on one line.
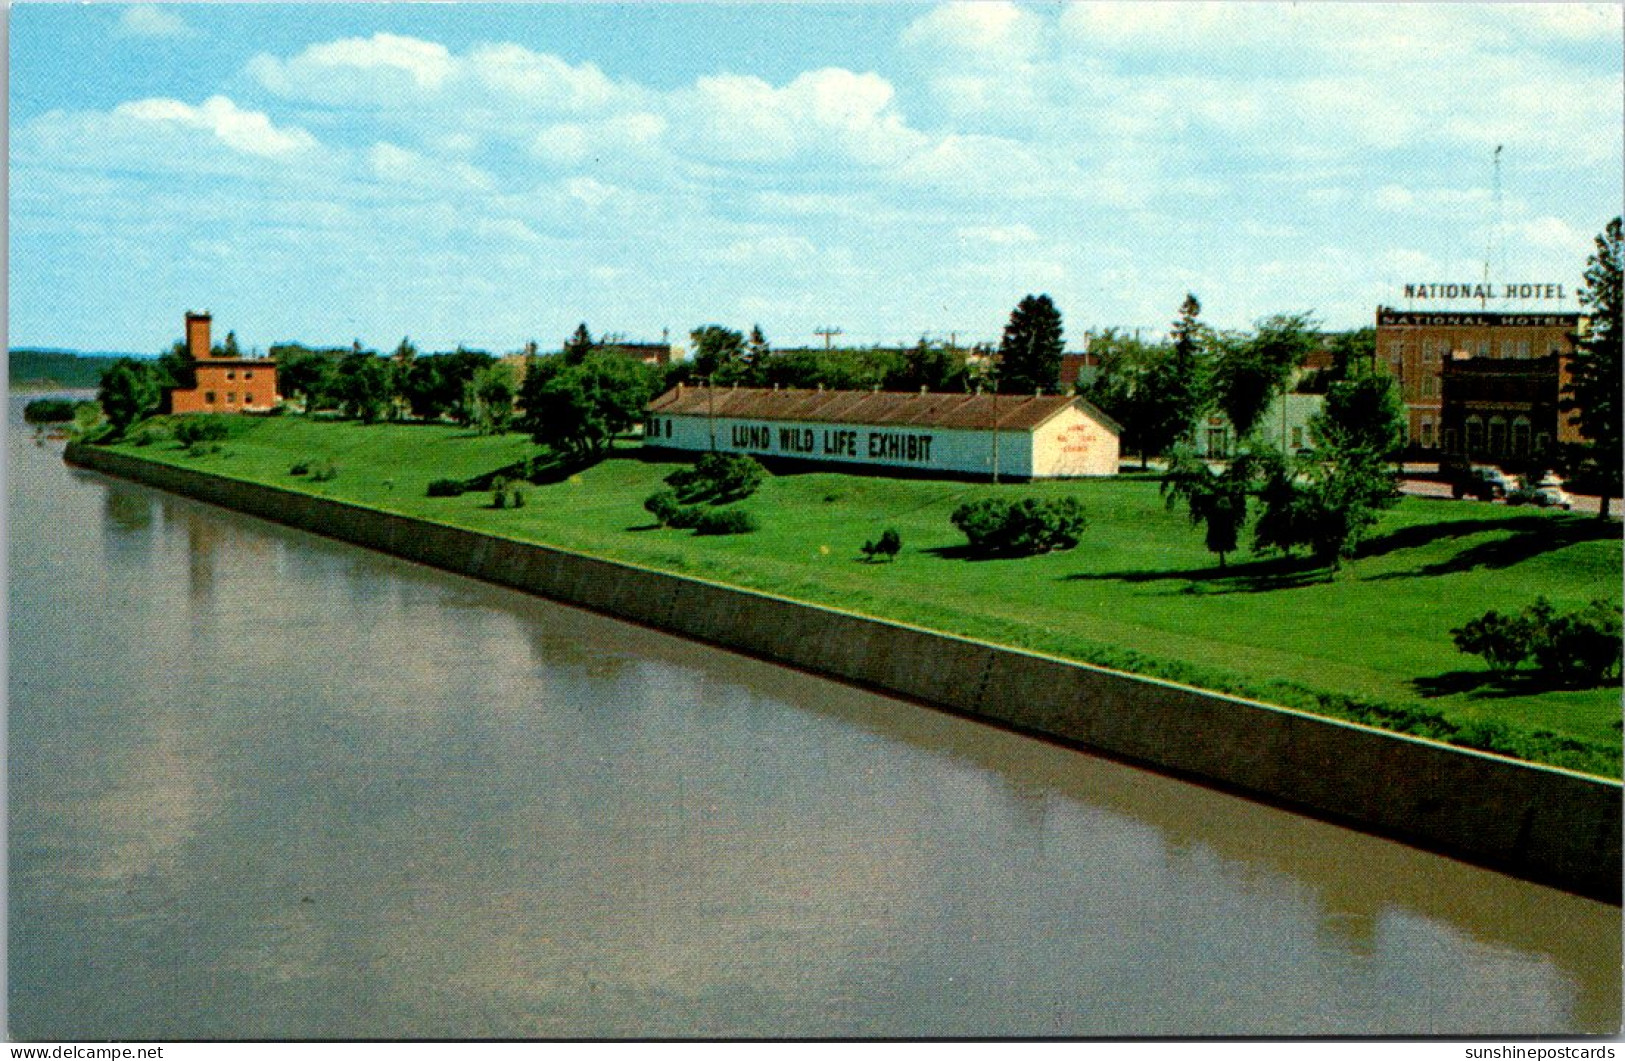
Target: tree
{"points": [[1030, 351], [1216, 500], [578, 346], [580, 409], [1252, 369], [756, 348], [1362, 412], [308, 373], [400, 371], [491, 394], [362, 384], [1326, 503], [231, 349], [1594, 370], [930, 366], [129, 392], [718, 353], [1173, 385], [1125, 388]]}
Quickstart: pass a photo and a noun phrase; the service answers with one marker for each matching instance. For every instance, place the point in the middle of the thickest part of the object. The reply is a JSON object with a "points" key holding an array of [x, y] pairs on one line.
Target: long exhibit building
{"points": [[952, 435]]}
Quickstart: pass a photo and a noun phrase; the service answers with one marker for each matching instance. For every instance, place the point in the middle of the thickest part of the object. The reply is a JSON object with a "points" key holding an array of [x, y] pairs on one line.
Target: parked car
{"points": [[1552, 495], [1482, 482]]}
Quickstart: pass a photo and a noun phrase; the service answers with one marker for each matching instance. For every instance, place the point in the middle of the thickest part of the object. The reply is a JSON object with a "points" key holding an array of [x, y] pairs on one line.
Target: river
{"points": [[268, 786]]}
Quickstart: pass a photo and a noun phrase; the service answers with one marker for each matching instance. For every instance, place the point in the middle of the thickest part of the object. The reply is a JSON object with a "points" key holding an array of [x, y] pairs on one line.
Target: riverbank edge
{"points": [[1539, 822]]}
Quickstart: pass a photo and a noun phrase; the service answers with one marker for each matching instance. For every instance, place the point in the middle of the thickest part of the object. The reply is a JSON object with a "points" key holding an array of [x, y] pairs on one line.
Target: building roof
{"points": [[876, 408]]}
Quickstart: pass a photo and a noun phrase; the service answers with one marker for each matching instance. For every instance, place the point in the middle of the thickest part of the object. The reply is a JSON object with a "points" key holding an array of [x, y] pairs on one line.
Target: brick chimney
{"points": [[197, 335]]}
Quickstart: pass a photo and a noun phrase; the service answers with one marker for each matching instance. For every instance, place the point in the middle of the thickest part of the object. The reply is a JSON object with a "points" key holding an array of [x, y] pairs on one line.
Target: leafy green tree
{"points": [[718, 353], [929, 365], [129, 392], [1031, 348], [580, 409], [491, 393], [1252, 369], [1353, 352], [1362, 412], [309, 374], [1216, 500], [437, 384], [578, 346], [231, 349], [400, 372], [1125, 388], [1595, 370], [362, 385], [1173, 390], [720, 478], [1326, 504], [175, 367]]}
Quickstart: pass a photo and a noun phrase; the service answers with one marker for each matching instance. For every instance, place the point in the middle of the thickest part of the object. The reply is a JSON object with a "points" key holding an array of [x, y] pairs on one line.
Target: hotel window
{"points": [[1523, 347], [1427, 434], [1430, 386], [1475, 435], [1521, 430], [208, 397], [1498, 434], [1483, 348]]}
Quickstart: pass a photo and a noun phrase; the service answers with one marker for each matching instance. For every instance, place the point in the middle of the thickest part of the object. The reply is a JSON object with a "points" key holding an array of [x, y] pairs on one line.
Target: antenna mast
{"points": [[1495, 240]]}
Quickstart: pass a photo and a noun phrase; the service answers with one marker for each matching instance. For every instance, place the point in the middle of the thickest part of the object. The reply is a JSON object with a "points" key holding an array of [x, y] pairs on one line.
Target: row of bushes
{"points": [[1581, 648], [320, 471], [668, 511]]}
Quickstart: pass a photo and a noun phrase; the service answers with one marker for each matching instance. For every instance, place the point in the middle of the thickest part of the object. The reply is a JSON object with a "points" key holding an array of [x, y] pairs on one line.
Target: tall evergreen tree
{"points": [[578, 346], [1030, 351], [1594, 370], [1174, 384], [756, 348]]}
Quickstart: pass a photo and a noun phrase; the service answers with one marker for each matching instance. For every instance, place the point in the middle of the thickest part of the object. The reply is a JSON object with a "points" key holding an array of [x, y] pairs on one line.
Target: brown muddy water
{"points": [[267, 786]]}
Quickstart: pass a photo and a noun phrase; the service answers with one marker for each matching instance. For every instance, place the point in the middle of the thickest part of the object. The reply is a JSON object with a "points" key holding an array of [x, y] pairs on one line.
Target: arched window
{"points": [[1475, 434], [1522, 432], [1498, 435]]}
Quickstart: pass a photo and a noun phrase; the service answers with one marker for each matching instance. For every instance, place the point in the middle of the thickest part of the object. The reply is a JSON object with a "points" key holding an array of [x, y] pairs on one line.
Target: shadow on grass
{"points": [[1253, 576], [1481, 684], [1525, 537]]}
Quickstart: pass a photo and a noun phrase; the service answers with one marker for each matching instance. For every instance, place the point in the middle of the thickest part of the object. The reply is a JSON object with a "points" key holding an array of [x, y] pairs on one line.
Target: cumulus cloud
{"points": [[250, 132], [745, 119], [376, 69], [150, 20], [398, 165], [992, 32]]}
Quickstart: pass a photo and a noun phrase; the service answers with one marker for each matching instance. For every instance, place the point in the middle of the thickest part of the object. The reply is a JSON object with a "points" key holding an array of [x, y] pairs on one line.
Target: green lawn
{"points": [[1140, 592]]}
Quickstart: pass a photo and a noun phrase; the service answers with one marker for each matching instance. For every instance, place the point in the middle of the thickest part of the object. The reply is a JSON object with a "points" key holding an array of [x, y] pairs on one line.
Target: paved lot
{"points": [[1428, 488]]}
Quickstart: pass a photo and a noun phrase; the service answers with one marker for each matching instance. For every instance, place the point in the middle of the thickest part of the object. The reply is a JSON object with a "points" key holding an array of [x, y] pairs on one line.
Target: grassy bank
{"points": [[1140, 592]]}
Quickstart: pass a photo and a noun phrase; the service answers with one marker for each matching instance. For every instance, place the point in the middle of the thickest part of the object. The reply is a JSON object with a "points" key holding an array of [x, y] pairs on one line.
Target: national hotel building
{"points": [[1481, 384]]}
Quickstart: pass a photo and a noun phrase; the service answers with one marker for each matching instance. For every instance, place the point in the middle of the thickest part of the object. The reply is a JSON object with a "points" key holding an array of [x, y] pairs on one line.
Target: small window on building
{"points": [[1521, 432], [668, 428], [1430, 353], [1427, 434], [248, 375], [1475, 435], [230, 374], [208, 397], [1498, 435], [231, 397], [1297, 438], [248, 399], [1430, 386]]}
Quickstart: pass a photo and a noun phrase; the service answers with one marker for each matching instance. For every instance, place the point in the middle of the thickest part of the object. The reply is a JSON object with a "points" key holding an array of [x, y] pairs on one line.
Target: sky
{"points": [[488, 175]]}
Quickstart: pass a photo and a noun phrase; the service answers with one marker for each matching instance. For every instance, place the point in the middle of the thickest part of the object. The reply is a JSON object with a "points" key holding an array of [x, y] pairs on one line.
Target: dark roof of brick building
{"points": [[876, 408]]}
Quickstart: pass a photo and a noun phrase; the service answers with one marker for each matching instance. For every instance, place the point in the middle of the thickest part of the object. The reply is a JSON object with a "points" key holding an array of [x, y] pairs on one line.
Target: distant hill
{"points": [[58, 369]]}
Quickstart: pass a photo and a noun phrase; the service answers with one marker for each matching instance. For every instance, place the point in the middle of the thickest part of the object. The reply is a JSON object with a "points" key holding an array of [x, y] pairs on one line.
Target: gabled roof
{"points": [[876, 408]]}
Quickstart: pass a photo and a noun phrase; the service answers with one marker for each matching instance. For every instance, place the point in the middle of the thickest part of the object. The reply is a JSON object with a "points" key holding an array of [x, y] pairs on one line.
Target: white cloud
{"points": [[769, 250], [543, 81], [993, 32], [250, 132], [572, 143], [399, 165], [377, 69], [150, 20], [745, 119]]}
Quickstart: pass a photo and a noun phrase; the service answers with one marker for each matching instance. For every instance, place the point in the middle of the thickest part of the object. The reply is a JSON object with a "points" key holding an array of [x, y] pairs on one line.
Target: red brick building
{"points": [[221, 384]]}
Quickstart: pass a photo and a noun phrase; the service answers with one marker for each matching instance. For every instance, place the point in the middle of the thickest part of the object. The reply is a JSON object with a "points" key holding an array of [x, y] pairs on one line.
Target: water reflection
{"points": [[300, 790]]}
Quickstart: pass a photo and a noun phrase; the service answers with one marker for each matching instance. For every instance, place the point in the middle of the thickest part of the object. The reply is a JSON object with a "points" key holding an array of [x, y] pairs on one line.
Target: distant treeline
{"points": [[54, 369]]}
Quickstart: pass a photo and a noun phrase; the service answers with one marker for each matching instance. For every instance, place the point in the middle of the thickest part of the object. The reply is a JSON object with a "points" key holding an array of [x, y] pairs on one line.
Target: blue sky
{"points": [[488, 175]]}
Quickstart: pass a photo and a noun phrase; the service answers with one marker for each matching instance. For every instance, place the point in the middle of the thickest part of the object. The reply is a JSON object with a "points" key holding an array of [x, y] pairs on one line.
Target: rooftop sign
{"points": [[1484, 292]]}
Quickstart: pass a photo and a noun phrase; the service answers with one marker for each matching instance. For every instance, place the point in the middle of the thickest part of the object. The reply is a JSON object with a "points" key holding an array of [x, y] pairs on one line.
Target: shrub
{"points": [[1580, 648], [299, 468], [995, 526], [516, 497], [725, 521], [48, 411], [190, 430], [446, 488], [719, 478], [145, 437], [1503, 640], [663, 506], [323, 471], [888, 545]]}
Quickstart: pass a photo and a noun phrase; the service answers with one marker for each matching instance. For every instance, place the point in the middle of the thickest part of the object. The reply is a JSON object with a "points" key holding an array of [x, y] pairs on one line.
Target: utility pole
{"points": [[826, 331], [1495, 229]]}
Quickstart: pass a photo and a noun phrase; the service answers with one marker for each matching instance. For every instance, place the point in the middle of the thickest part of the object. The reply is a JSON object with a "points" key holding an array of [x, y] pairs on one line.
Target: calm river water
{"points": [[263, 785]]}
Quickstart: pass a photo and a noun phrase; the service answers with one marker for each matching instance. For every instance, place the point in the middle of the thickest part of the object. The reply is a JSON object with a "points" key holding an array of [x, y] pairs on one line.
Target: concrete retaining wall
{"points": [[1538, 822]]}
